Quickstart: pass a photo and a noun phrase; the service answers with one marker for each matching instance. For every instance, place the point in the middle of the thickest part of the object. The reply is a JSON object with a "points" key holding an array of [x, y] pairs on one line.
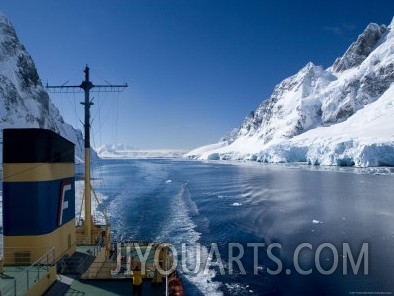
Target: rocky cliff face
{"points": [[314, 98], [360, 49], [24, 101]]}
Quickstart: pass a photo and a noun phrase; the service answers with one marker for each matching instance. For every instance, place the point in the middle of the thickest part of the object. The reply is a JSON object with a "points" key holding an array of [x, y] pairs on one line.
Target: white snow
{"points": [[366, 139], [303, 120]]}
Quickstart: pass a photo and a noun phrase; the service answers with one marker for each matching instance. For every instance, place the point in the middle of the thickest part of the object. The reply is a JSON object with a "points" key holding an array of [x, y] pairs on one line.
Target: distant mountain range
{"points": [[24, 102], [124, 151], [343, 115]]}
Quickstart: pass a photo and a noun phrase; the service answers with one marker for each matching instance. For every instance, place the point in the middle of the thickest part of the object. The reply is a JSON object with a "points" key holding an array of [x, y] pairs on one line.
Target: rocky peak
{"points": [[360, 49]]}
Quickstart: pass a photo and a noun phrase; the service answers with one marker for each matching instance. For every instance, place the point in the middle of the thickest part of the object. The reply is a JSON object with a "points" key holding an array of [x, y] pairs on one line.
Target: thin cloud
{"points": [[343, 30], [335, 30]]}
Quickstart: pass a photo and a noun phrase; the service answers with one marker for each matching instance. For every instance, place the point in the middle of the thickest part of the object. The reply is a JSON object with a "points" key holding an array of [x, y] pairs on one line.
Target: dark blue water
{"points": [[216, 210]]}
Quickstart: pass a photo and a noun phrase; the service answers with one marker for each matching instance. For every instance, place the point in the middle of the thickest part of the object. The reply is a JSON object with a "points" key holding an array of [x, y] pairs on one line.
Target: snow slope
{"points": [[339, 116]]}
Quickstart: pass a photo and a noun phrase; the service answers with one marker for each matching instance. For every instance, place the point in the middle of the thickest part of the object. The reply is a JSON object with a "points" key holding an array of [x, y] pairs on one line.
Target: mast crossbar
{"points": [[79, 88]]}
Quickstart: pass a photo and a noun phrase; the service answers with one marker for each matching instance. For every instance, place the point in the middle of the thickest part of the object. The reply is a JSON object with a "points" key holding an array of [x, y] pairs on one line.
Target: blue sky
{"points": [[195, 68]]}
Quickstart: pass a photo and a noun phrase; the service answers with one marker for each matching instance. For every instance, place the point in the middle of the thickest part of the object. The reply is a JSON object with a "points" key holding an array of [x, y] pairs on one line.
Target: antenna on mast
{"points": [[87, 231]]}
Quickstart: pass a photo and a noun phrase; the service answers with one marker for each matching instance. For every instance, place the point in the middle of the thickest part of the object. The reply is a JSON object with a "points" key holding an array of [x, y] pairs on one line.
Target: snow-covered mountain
{"points": [[343, 115], [24, 102], [124, 151]]}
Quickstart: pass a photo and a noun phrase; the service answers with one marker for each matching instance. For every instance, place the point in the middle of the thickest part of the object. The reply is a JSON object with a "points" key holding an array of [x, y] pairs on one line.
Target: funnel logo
{"points": [[63, 204]]}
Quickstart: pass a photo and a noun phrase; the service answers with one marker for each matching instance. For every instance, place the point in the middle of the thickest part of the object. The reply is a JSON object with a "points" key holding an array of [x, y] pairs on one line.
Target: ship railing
{"points": [[70, 264], [96, 248], [93, 264], [106, 269], [67, 263], [100, 242], [99, 246], [81, 240], [22, 278]]}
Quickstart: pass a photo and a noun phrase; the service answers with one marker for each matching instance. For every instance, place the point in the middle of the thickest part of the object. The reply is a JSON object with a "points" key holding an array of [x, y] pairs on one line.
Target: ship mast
{"points": [[86, 85]]}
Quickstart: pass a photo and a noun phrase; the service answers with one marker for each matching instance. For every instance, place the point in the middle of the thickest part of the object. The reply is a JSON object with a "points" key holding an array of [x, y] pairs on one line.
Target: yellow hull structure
{"points": [[38, 195], [25, 250]]}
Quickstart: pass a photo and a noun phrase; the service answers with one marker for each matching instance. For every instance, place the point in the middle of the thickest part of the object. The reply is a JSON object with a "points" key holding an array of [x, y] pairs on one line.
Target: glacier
{"points": [[121, 151], [339, 116]]}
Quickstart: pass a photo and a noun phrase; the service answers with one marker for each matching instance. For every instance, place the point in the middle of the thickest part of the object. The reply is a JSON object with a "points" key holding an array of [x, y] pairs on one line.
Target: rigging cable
{"points": [[106, 191]]}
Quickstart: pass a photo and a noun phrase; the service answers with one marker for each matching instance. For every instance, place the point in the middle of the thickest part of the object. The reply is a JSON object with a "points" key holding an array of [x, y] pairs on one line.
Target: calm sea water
{"points": [[216, 210]]}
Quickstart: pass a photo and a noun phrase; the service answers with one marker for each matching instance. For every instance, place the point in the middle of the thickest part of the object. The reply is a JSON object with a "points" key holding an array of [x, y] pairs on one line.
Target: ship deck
{"points": [[19, 277], [74, 275], [9, 276], [85, 273], [75, 286]]}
